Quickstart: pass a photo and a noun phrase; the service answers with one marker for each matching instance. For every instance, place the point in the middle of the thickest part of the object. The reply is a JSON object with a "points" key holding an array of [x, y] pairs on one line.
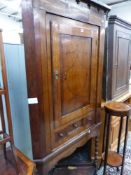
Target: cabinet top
{"points": [[95, 3], [91, 11], [100, 4], [117, 20]]}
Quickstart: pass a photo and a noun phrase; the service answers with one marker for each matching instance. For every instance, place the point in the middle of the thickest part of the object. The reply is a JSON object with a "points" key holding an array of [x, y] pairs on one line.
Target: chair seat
{"points": [[4, 138]]}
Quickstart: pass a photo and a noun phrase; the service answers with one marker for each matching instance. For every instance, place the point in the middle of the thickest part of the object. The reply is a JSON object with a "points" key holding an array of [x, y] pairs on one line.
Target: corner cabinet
{"points": [[64, 47], [116, 71], [118, 58]]}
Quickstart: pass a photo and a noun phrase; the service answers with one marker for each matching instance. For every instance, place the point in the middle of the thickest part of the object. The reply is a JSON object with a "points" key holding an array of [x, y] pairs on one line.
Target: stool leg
{"points": [[119, 137], [104, 135], [125, 143], [107, 143], [103, 145]]}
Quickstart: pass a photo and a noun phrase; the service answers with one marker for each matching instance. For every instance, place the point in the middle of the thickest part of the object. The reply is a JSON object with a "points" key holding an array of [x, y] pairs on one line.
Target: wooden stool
{"points": [[112, 158]]}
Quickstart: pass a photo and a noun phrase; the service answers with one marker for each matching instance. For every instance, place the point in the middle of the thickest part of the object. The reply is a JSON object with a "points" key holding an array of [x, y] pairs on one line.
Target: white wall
{"points": [[11, 29], [122, 10]]}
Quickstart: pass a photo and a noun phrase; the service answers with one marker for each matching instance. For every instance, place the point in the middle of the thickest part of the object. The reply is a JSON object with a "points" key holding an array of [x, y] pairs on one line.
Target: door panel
{"points": [[72, 62], [121, 64], [75, 72]]}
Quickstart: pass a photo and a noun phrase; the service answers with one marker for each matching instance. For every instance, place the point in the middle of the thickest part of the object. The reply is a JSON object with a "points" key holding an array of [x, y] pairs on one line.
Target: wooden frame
{"points": [[29, 164], [4, 90]]}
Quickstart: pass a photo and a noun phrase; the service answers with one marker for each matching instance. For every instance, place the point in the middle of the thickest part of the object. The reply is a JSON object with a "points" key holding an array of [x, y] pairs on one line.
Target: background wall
{"points": [[16, 75], [122, 10], [11, 29], [15, 64]]}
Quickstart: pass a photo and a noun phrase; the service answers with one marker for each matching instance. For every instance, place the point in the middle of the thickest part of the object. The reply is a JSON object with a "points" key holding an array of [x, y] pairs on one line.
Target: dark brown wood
{"points": [[35, 89], [70, 8], [118, 59], [64, 46]]}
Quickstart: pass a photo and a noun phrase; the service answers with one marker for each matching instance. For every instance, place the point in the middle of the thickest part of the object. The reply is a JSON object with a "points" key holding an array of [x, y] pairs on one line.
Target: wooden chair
{"points": [[5, 111], [6, 138]]}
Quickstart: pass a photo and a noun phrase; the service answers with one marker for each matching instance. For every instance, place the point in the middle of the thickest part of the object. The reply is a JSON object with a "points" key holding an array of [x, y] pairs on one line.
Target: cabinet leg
{"points": [[96, 151]]}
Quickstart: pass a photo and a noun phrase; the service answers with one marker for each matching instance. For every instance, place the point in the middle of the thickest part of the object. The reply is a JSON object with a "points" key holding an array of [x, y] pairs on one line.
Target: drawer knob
{"points": [[61, 134], [89, 131], [75, 125]]}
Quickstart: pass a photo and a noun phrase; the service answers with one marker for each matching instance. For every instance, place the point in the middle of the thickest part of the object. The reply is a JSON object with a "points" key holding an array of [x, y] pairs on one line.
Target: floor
{"points": [[8, 167], [127, 167], [74, 171]]}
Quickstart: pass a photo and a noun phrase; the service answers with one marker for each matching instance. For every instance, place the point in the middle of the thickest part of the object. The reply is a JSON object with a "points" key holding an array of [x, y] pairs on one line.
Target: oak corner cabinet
{"points": [[64, 48], [118, 59]]}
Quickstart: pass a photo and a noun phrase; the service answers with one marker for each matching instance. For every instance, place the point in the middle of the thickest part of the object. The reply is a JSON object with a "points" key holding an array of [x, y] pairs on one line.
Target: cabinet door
{"points": [[72, 54], [121, 64]]}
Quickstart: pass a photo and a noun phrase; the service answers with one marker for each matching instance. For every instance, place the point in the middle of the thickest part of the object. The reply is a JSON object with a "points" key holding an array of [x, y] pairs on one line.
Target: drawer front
{"points": [[73, 129], [70, 130]]}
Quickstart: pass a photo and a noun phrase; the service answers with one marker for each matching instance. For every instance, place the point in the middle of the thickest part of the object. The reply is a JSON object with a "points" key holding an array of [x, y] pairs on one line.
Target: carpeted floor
{"points": [[127, 167]]}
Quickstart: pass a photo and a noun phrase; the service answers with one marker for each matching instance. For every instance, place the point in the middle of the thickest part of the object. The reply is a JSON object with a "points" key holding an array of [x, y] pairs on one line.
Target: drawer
{"points": [[63, 134], [89, 119], [70, 130]]}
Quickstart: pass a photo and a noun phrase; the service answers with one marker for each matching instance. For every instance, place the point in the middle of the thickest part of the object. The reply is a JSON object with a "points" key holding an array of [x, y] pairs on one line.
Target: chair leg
{"points": [[15, 158], [4, 151]]}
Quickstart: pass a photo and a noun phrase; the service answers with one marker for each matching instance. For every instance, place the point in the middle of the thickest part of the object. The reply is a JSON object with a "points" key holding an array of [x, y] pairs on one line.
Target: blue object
{"points": [[16, 75]]}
